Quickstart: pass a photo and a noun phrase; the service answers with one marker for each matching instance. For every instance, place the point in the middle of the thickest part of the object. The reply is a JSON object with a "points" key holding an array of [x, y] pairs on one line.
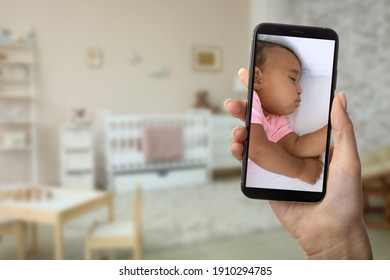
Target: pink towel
{"points": [[162, 143]]}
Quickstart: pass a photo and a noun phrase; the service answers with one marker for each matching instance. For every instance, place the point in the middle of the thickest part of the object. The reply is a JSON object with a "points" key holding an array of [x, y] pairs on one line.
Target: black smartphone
{"points": [[292, 79]]}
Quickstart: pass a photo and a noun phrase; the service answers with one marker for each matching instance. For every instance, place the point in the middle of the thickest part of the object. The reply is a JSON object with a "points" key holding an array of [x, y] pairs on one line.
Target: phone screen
{"points": [[290, 92]]}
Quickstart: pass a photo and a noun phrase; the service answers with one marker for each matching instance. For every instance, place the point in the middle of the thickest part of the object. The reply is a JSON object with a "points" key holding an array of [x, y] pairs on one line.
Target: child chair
{"points": [[118, 235], [376, 186]]}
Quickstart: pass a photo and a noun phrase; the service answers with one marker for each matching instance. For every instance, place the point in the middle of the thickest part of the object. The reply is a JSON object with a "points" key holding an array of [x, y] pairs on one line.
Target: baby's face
{"points": [[279, 90]]}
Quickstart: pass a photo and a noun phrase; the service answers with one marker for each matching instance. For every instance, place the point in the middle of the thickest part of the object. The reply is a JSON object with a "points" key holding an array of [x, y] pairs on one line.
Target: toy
{"points": [[202, 102], [26, 194]]}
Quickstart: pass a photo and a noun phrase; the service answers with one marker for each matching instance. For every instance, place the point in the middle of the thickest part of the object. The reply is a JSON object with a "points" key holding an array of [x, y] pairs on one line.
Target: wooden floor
{"points": [[274, 245]]}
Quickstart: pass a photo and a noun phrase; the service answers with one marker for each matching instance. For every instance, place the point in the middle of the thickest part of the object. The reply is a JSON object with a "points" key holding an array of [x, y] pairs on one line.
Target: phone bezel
{"points": [[293, 31]]}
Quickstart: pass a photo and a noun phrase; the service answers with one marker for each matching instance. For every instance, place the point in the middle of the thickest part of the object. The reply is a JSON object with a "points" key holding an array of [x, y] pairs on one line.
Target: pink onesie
{"points": [[275, 127]]}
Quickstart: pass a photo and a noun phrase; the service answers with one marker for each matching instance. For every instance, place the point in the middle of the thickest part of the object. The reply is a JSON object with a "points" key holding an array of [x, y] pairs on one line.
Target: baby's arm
{"points": [[308, 145], [274, 158]]}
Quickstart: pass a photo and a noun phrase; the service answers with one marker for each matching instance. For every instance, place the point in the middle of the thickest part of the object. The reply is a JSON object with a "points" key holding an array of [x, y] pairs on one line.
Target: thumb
{"points": [[345, 146]]}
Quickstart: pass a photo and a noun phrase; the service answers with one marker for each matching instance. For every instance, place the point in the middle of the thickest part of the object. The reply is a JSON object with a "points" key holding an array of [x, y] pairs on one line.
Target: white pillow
{"points": [[314, 109]]}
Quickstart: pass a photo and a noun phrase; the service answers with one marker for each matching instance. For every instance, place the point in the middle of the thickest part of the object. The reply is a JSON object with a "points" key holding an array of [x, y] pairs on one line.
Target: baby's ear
{"points": [[257, 79]]}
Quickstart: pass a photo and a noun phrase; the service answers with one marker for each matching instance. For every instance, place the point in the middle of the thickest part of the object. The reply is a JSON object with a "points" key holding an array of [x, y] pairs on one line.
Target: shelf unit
{"points": [[18, 116], [223, 163], [77, 156]]}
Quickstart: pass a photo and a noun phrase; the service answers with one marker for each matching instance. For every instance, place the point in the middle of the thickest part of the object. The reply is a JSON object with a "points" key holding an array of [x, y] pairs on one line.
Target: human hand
{"points": [[311, 170], [333, 228]]}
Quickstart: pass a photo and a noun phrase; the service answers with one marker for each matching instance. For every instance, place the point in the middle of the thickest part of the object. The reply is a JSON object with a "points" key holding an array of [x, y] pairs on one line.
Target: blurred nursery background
{"points": [[114, 141]]}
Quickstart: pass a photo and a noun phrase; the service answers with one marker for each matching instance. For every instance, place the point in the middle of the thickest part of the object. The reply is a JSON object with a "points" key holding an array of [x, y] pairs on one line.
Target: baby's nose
{"points": [[299, 90]]}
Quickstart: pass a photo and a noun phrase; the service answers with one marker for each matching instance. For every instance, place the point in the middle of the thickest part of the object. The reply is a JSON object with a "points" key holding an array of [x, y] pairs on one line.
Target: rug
{"points": [[183, 216]]}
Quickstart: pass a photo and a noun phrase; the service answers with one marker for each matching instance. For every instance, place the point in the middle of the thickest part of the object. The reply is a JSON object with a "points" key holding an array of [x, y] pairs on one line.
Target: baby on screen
{"points": [[274, 146]]}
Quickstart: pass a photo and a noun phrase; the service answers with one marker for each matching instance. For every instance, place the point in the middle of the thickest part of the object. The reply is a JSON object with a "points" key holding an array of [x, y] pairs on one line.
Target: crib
{"points": [[122, 162]]}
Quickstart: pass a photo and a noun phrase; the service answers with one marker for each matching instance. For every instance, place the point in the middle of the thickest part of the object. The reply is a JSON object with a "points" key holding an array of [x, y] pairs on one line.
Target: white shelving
{"points": [[16, 96], [16, 122], [14, 81], [18, 91], [221, 130], [76, 155]]}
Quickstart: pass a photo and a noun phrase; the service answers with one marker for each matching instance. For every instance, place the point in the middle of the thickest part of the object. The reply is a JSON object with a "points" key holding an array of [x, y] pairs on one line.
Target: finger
{"points": [[237, 148], [237, 108], [345, 147], [239, 134], [244, 76]]}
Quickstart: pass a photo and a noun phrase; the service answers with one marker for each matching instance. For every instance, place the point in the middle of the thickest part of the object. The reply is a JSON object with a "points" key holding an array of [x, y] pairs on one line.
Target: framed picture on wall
{"points": [[206, 58]]}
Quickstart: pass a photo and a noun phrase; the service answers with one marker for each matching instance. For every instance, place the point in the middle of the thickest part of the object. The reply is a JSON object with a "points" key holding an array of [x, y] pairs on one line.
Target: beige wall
{"points": [[163, 32]]}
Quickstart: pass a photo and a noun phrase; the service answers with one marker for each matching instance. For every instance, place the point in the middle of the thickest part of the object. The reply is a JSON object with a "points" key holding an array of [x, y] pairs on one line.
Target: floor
{"points": [[273, 244]]}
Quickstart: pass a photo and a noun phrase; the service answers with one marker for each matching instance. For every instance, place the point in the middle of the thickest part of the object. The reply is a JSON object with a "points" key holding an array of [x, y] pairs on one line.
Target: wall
{"points": [[364, 56], [259, 12], [163, 32]]}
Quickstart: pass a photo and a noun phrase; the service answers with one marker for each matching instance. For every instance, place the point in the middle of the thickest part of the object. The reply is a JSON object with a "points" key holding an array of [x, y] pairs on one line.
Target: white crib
{"points": [[120, 161]]}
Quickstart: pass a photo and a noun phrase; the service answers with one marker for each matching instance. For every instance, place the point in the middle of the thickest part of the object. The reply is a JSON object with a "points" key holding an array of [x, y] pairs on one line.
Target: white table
{"points": [[65, 204]]}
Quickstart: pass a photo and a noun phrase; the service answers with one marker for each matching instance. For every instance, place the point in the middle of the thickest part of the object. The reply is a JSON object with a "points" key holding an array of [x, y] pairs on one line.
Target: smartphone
{"points": [[292, 79]]}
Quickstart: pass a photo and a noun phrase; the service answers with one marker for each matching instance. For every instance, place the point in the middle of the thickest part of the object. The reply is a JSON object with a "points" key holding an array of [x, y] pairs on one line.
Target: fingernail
{"points": [[226, 102], [343, 100], [234, 131], [240, 71]]}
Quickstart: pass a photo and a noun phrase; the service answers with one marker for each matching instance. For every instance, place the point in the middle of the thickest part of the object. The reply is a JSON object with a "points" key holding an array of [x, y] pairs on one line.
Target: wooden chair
{"points": [[18, 227], [376, 186], [118, 235]]}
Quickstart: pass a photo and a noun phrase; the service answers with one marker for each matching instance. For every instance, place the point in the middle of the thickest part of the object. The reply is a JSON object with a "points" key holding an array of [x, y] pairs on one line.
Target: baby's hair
{"points": [[261, 54]]}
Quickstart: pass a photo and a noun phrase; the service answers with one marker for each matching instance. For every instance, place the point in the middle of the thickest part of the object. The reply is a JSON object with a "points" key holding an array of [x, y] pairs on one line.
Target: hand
{"points": [[311, 171], [333, 228]]}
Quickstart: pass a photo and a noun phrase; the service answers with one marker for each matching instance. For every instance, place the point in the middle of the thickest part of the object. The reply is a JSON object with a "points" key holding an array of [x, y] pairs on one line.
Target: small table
{"points": [[64, 205]]}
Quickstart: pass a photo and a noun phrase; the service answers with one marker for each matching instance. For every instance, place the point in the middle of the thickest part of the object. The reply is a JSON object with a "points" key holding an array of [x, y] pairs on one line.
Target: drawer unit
{"points": [[76, 155]]}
